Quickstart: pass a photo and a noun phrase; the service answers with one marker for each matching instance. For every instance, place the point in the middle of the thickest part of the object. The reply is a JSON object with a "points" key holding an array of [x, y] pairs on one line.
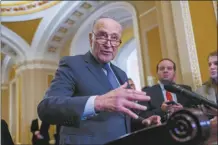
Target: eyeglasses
{"points": [[102, 39]]}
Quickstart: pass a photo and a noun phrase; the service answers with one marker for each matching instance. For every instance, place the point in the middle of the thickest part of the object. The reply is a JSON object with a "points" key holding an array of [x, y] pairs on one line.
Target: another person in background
{"points": [[131, 84], [6, 138], [158, 105], [209, 88], [40, 136]]}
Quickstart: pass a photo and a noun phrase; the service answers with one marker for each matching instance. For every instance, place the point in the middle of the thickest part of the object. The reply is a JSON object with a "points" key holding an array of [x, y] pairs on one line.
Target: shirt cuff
{"points": [[89, 110]]}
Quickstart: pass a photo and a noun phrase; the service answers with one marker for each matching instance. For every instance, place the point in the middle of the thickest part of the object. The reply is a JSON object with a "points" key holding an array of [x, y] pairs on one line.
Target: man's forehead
{"points": [[166, 62], [106, 23], [213, 58]]}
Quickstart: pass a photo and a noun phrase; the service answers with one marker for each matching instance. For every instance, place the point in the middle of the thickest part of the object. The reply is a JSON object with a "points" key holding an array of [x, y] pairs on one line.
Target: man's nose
{"points": [[108, 43], [213, 66], [165, 70]]}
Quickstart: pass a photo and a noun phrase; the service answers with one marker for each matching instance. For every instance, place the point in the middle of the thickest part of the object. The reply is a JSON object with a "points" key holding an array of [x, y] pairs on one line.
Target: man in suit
{"points": [[6, 138], [131, 84], [40, 135], [158, 105], [209, 88], [88, 96]]}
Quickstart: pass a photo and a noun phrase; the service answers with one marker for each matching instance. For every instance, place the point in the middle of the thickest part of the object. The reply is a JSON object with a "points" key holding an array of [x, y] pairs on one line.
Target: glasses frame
{"points": [[120, 41]]}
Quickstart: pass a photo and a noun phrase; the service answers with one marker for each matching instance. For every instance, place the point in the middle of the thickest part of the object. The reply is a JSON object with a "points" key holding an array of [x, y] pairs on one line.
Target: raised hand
{"points": [[121, 100]]}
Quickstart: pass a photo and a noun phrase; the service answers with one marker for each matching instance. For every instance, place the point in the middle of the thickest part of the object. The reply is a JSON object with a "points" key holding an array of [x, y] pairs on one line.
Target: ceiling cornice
{"points": [[26, 7]]}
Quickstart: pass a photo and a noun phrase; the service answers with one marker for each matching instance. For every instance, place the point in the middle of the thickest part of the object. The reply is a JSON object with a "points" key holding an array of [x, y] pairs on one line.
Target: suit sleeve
{"points": [[59, 105], [151, 110]]}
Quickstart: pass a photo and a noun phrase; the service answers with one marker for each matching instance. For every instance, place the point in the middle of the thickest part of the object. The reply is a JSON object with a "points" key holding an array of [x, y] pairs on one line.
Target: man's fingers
{"points": [[153, 120], [131, 91], [124, 85], [128, 112], [146, 122], [137, 97], [133, 105]]}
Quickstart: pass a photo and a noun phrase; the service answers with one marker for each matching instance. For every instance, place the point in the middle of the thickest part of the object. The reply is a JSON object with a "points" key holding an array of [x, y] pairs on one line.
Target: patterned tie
{"points": [[111, 77], [169, 96]]}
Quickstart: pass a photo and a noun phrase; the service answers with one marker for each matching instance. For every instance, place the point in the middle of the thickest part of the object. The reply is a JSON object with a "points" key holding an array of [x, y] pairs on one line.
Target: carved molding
{"points": [[186, 44], [215, 8], [36, 64], [26, 8], [4, 86], [191, 44]]}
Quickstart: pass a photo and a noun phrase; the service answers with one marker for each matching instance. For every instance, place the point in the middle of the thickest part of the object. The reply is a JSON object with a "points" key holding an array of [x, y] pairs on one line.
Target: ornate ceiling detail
{"points": [[71, 24], [23, 8]]}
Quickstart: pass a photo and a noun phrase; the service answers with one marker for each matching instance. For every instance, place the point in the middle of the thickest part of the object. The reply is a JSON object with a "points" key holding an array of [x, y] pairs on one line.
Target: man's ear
{"points": [[90, 39]]}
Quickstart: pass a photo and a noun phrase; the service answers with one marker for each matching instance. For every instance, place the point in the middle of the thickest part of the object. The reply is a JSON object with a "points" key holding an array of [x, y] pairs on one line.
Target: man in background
{"points": [[162, 102], [40, 136], [209, 88], [131, 84], [6, 138]]}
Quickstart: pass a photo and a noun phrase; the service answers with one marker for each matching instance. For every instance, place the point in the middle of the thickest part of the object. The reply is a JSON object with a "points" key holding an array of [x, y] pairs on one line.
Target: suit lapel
{"points": [[159, 93], [95, 68]]}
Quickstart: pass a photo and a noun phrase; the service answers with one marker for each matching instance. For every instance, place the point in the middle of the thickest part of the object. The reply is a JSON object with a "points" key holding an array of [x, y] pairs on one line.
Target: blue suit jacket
{"points": [[76, 79]]}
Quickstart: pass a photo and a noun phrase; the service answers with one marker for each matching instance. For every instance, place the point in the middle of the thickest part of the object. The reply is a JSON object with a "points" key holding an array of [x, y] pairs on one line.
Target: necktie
{"points": [[111, 77], [169, 96]]}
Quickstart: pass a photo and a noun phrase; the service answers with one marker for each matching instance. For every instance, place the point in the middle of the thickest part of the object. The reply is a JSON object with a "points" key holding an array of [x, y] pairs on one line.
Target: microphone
{"points": [[178, 89]]}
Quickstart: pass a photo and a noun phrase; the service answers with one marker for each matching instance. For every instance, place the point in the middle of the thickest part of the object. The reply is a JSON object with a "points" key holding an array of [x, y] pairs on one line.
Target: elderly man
{"points": [[89, 96]]}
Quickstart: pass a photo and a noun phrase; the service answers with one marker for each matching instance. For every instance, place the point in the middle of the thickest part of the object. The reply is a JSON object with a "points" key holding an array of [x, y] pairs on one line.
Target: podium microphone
{"points": [[178, 89]]}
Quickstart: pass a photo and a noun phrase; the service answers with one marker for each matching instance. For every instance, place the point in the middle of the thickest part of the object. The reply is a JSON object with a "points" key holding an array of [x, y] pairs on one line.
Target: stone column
{"points": [[186, 44], [168, 35], [5, 102], [32, 82]]}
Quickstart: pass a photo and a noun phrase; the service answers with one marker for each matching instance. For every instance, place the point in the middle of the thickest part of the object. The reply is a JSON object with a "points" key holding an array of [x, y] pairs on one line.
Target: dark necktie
{"points": [[111, 77]]}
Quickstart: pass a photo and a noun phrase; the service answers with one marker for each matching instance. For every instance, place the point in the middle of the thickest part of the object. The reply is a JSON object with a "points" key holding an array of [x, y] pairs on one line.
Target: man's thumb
{"points": [[124, 85]]}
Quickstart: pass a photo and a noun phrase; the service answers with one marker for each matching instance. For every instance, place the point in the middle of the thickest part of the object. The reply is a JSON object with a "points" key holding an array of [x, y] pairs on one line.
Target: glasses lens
{"points": [[115, 43]]}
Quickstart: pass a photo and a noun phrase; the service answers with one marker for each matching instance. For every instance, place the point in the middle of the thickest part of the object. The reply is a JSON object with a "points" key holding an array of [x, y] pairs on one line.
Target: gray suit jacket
{"points": [[76, 79], [209, 93]]}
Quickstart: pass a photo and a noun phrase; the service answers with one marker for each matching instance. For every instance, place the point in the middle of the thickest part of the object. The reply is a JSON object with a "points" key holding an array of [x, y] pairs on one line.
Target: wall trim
{"points": [[18, 44], [7, 64], [215, 8], [147, 12], [147, 57], [40, 64], [186, 43]]}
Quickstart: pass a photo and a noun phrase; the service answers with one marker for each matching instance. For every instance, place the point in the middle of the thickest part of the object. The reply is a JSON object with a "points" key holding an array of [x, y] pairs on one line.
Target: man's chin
{"points": [[106, 59]]}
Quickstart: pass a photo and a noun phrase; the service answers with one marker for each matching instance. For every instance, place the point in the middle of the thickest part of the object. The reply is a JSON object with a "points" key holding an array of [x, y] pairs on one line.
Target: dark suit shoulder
{"points": [[68, 59], [154, 87], [4, 124]]}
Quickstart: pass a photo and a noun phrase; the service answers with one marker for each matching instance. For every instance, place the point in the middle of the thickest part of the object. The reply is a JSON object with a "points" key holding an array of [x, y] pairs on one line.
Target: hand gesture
{"points": [[121, 100]]}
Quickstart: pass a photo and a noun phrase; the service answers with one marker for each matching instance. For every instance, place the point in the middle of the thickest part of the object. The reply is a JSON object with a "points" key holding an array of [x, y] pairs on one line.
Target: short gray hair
{"points": [[102, 17]]}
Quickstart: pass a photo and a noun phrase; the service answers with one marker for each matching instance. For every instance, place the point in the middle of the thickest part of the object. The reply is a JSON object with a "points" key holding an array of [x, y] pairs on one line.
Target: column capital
{"points": [[4, 86], [36, 64]]}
